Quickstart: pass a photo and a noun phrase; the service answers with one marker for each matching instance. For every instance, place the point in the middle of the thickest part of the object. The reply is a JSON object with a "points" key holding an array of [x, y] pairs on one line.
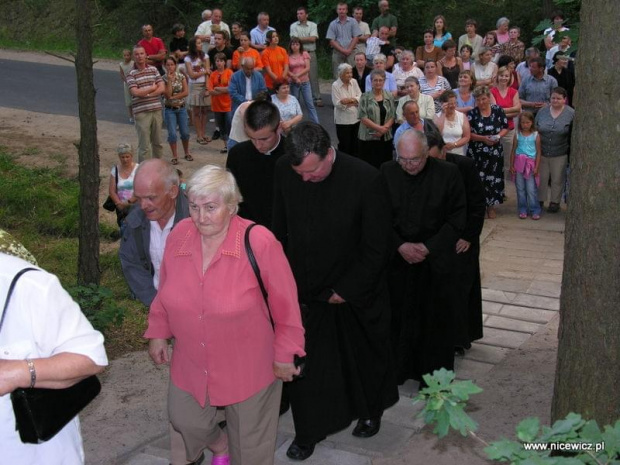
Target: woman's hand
{"points": [[159, 351], [285, 371], [489, 140], [13, 374]]}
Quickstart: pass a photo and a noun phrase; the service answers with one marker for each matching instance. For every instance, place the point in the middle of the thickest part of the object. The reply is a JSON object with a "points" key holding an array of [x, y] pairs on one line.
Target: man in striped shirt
{"points": [[146, 87]]}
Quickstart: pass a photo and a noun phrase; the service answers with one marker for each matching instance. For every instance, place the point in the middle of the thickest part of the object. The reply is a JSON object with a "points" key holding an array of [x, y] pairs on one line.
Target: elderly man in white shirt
{"points": [[209, 26]]}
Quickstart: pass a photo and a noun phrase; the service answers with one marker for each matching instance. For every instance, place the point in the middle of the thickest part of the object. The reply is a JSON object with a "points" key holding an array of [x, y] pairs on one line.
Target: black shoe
{"points": [[300, 451], [459, 350], [216, 135], [367, 427], [553, 207]]}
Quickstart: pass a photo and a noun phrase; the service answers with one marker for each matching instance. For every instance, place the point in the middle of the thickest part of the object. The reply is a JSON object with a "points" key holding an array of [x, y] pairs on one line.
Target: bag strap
{"points": [[8, 295], [116, 175], [256, 269]]}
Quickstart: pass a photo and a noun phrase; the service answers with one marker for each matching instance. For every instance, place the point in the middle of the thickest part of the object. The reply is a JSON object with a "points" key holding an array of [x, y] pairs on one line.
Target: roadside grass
{"points": [[39, 206]]}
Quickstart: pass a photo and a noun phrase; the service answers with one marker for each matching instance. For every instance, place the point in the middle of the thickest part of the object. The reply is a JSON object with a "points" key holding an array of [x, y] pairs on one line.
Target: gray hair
{"points": [[408, 53], [379, 57], [405, 140], [246, 60], [162, 169], [124, 147], [206, 13], [501, 21], [342, 67], [212, 179], [480, 91], [377, 72]]}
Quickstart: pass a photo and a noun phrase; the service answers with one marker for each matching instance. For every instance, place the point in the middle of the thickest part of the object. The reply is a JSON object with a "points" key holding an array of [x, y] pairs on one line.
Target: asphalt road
{"points": [[52, 89]]}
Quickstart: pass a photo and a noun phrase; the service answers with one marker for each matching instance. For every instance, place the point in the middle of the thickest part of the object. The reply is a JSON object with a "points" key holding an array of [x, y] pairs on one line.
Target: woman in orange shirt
{"points": [[275, 60], [221, 103], [245, 50]]}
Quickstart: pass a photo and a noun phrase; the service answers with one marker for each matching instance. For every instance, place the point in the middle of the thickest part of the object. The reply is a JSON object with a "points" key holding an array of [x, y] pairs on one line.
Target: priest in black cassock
{"points": [[332, 213], [252, 162], [428, 217], [469, 316]]}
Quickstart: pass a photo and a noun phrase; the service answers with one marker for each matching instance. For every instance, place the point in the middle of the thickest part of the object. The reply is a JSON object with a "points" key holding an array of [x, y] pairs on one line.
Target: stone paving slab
{"points": [[147, 459], [470, 369], [390, 438], [535, 315], [503, 338], [498, 295], [535, 301], [323, 455], [506, 284], [485, 353], [545, 288], [510, 324], [409, 388], [404, 414], [514, 246], [551, 277], [493, 308]]}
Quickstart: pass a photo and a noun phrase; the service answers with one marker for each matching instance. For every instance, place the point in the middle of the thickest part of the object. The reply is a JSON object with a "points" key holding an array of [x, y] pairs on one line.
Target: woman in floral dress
{"points": [[488, 125]]}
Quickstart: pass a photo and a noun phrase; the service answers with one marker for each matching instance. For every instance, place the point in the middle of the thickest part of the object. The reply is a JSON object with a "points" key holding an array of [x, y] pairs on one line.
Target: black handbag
{"points": [[41, 413], [300, 362], [109, 204]]}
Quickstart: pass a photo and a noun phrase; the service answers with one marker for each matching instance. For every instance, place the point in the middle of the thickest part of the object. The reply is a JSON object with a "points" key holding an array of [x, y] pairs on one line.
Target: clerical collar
{"points": [[275, 146]]}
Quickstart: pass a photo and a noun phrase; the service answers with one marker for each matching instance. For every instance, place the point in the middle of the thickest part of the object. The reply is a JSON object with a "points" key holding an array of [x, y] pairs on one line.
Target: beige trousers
{"points": [[251, 425], [553, 168], [148, 128]]}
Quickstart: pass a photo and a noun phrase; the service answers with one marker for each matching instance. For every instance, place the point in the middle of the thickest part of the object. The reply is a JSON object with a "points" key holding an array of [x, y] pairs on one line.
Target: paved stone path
{"points": [[521, 263]]}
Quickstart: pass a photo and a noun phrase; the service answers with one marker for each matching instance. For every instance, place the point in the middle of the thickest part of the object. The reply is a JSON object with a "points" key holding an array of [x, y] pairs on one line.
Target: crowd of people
{"points": [[364, 269]]}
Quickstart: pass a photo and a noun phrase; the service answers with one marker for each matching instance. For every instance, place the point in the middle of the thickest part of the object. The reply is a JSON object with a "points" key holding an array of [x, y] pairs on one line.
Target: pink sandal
{"points": [[221, 460]]}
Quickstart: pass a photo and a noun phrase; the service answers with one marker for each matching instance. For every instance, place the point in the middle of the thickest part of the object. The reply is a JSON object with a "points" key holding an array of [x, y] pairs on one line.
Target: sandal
{"points": [[174, 161], [523, 215], [202, 141], [188, 157]]}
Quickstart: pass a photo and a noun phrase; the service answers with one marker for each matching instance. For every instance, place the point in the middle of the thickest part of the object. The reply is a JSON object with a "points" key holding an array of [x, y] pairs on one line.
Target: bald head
{"points": [[156, 187]]}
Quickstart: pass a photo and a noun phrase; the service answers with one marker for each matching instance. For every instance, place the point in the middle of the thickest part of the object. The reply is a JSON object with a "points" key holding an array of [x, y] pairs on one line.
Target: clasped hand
{"points": [[413, 252]]}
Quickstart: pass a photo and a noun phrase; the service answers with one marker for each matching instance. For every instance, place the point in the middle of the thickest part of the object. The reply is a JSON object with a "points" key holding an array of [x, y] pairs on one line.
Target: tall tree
{"points": [[88, 254], [588, 369]]}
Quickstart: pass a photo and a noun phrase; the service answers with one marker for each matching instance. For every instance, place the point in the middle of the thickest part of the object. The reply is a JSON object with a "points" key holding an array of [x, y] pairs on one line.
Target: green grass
{"points": [[39, 207]]}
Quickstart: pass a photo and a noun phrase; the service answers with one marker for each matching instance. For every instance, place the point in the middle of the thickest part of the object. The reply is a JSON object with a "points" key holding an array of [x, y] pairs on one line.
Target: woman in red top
{"points": [[507, 98], [275, 60], [221, 103], [226, 351]]}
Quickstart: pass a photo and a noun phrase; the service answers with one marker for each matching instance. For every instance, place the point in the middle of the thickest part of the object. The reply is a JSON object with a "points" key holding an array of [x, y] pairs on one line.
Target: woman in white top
{"points": [[290, 110], [46, 342], [453, 124], [405, 67], [425, 102], [485, 70], [346, 95], [120, 188]]}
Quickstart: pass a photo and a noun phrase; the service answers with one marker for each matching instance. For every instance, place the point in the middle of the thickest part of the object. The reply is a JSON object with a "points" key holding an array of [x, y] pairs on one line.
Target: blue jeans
{"points": [[174, 118], [306, 91], [527, 194]]}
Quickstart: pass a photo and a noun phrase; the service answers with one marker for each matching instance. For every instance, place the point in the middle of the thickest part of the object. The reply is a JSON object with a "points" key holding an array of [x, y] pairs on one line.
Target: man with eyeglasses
{"points": [[331, 212], [428, 217]]}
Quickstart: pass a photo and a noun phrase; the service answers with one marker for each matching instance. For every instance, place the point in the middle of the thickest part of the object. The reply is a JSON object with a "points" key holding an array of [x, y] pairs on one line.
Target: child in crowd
{"points": [[524, 162], [373, 47], [125, 66], [466, 52], [221, 103]]}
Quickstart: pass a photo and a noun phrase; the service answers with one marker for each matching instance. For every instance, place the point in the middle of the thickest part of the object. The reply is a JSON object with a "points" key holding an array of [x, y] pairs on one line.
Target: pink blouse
{"points": [[297, 63], [224, 343]]}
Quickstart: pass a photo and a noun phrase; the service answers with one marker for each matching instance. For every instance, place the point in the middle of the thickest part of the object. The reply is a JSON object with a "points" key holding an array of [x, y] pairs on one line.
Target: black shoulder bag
{"points": [[109, 204], [298, 361], [41, 413]]}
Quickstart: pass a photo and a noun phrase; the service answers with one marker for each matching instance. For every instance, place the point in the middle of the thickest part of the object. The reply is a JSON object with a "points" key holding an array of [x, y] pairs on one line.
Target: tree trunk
{"points": [[88, 255], [588, 368]]}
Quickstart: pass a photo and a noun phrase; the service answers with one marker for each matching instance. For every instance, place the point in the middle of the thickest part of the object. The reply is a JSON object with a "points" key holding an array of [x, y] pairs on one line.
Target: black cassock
{"points": [[254, 173], [337, 238], [469, 316], [429, 208]]}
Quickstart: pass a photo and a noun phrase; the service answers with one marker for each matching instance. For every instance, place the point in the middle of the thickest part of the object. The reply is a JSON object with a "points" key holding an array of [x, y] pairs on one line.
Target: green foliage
{"points": [[538, 445], [559, 444], [98, 305], [445, 402]]}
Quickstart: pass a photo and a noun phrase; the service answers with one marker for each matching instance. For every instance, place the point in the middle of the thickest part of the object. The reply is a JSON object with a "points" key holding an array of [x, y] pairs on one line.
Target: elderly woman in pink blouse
{"points": [[226, 352]]}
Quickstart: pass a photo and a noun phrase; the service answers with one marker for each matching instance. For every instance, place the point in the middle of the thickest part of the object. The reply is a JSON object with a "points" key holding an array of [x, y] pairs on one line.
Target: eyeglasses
{"points": [[410, 161]]}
